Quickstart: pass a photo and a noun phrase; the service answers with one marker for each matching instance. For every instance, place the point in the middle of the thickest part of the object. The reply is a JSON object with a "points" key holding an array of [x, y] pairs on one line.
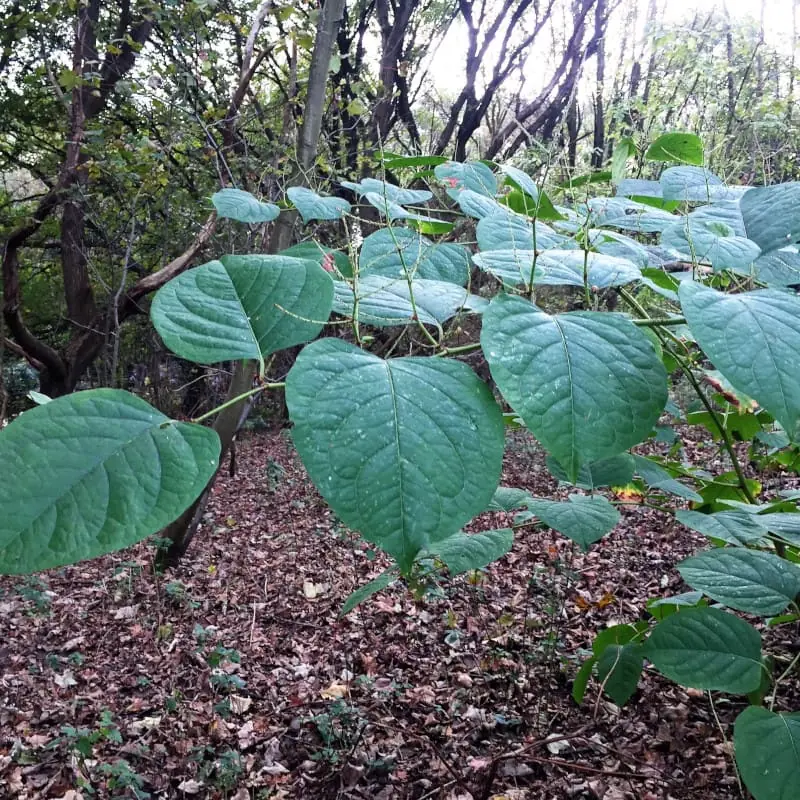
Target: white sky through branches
{"points": [[447, 65]]}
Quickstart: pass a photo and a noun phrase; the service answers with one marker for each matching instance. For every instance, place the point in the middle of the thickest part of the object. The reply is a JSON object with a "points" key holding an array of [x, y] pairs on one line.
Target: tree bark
{"points": [[181, 532]]}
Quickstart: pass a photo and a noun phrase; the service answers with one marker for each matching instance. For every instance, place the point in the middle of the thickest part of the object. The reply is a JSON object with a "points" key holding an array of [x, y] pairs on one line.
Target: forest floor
{"points": [[233, 676]]}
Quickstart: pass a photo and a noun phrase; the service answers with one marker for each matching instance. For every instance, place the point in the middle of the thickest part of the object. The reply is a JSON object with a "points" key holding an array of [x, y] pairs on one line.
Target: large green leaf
{"points": [[779, 268], [405, 451], [584, 519], [613, 471], [747, 580], [394, 211], [619, 669], [558, 268], [684, 148], [243, 207], [476, 205], [510, 231], [395, 252], [462, 552], [468, 175], [93, 472], [387, 301], [588, 385], [322, 255], [772, 215], [714, 242], [705, 648], [392, 193], [242, 307], [753, 339], [355, 598], [734, 527], [657, 477], [689, 184], [767, 749], [314, 206]]}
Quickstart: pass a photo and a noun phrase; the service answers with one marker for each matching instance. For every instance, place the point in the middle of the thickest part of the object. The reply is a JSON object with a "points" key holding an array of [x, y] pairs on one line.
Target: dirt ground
{"points": [[233, 676]]}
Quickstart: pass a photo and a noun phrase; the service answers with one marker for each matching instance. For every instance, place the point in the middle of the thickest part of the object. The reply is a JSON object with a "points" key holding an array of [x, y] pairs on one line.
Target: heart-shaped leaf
{"points": [[314, 206], [714, 242], [753, 339], [509, 231], [689, 184], [746, 580], [619, 669], [388, 191], [242, 307], [772, 215], [387, 301], [468, 175], [319, 254], [243, 207], [767, 749], [588, 385], [734, 527], [406, 451], [397, 252], [584, 519], [93, 472], [779, 268], [463, 552], [685, 148], [614, 471], [477, 205], [705, 648], [657, 477]]}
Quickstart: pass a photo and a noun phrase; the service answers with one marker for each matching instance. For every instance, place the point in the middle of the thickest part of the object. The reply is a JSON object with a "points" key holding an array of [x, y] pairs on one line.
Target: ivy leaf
{"points": [[243, 207], [463, 552], [93, 472], [705, 648], [588, 385], [583, 519], [753, 339], [767, 747], [772, 215], [406, 451], [314, 206], [242, 307], [685, 148], [745, 580]]}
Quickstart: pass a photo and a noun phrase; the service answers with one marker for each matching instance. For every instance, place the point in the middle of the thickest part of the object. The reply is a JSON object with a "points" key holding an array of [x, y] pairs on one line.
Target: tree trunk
{"points": [[181, 532]]}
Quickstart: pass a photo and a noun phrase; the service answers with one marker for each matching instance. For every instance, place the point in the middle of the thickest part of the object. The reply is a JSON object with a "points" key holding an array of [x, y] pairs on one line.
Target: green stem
{"points": [[659, 322], [237, 399], [462, 348], [410, 284]]}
